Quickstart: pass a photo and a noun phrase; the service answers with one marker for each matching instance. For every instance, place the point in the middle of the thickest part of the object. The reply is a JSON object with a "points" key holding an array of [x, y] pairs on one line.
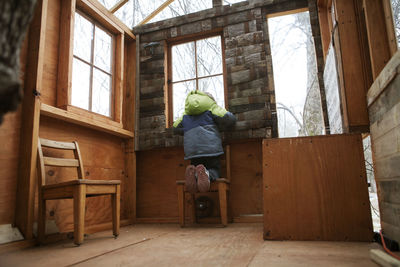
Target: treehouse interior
{"points": [[113, 86]]}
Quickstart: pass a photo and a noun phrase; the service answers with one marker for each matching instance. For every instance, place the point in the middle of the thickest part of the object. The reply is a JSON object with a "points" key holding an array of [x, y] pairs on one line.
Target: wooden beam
{"points": [[129, 122], [24, 213], [118, 6], [105, 17], [64, 78], [379, 47], [71, 117], [155, 12]]}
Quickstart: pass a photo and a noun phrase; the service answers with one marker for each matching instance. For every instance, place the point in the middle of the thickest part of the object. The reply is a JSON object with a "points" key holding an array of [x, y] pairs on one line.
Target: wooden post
{"points": [[30, 123], [64, 77], [181, 204], [129, 115], [379, 45]]}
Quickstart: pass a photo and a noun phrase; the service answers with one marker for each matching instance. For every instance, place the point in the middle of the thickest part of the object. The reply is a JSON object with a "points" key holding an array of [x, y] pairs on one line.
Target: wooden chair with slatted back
{"points": [[77, 189], [221, 185]]}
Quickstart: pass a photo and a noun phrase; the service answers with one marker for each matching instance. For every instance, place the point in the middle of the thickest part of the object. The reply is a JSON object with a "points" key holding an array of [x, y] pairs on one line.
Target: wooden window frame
{"points": [[169, 107], [64, 81]]}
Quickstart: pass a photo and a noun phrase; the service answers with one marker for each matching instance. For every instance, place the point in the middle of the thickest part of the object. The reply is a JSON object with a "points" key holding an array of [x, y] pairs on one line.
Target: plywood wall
{"points": [[315, 188]]}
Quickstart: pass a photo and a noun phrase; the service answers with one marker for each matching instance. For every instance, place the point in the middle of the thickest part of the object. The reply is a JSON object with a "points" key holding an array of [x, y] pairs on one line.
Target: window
{"points": [[195, 65], [92, 73]]}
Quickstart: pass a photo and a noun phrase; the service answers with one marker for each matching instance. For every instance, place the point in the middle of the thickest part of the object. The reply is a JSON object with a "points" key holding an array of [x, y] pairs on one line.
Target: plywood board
{"points": [[315, 188]]}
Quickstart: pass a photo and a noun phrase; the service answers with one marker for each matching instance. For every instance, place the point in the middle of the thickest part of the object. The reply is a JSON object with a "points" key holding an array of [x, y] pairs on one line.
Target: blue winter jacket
{"points": [[200, 125]]}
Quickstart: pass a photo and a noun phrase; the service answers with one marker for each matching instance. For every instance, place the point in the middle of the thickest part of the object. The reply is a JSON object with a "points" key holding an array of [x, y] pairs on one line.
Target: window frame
{"points": [[95, 15], [93, 66], [169, 69]]}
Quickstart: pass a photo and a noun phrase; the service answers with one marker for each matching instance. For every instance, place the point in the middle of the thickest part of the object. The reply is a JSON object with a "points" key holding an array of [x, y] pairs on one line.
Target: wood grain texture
{"points": [[315, 188], [236, 245], [24, 214]]}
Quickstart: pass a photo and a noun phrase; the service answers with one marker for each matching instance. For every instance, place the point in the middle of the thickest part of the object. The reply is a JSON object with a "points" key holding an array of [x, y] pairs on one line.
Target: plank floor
{"points": [[169, 245]]}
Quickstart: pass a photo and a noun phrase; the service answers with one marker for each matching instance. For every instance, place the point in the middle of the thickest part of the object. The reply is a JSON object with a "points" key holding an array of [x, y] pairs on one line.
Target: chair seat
{"points": [[82, 181]]}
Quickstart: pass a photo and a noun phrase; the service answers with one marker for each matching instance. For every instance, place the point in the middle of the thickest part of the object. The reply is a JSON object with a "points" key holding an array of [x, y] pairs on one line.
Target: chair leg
{"points": [[193, 218], [79, 213], [222, 190], [181, 204], [116, 206], [41, 226]]}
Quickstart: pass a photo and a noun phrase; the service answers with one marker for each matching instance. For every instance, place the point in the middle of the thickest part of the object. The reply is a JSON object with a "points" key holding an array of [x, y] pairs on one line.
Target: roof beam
{"points": [[118, 6], [155, 12]]}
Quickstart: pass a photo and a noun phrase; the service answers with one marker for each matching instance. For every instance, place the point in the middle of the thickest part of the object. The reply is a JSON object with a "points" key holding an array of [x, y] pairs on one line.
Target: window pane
{"points": [[102, 50], [209, 57], [80, 84], [396, 17], [101, 92], [83, 35], [214, 86], [180, 91], [183, 67]]}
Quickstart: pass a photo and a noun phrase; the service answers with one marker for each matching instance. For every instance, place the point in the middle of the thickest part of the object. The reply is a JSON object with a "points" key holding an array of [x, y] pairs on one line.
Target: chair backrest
{"points": [[58, 162]]}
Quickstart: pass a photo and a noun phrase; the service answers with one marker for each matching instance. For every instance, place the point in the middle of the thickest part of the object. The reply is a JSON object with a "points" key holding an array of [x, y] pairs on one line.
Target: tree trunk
{"points": [[15, 16]]}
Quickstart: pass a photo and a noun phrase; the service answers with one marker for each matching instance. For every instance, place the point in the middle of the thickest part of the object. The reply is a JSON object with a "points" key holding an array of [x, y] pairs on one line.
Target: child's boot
{"points": [[190, 179], [203, 181]]}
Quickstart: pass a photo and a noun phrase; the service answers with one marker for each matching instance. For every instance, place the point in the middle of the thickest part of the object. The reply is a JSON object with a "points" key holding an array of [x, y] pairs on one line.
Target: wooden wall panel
{"points": [[246, 184], [103, 158], [315, 188], [157, 172]]}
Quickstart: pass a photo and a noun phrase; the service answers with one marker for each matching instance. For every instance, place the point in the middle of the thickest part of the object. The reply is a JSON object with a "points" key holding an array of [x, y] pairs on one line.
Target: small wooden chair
{"points": [[221, 186], [77, 189]]}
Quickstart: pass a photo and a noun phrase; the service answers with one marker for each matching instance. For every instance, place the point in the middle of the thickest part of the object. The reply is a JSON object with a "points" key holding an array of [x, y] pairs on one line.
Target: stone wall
{"points": [[248, 63]]}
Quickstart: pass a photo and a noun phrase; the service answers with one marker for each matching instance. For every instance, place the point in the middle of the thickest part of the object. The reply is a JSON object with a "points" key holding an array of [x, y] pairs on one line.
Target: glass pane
{"points": [[183, 66], [180, 91], [179, 8], [396, 18], [108, 3], [83, 35], [101, 92], [125, 14], [80, 84], [102, 50], [209, 57], [214, 86]]}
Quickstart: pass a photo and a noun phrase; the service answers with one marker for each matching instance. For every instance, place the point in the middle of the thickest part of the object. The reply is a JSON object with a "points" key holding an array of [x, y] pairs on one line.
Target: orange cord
{"points": [[386, 249]]}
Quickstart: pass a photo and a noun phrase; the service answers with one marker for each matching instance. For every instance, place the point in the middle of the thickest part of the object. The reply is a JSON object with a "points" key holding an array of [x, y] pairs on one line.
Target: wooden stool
{"points": [[221, 186]]}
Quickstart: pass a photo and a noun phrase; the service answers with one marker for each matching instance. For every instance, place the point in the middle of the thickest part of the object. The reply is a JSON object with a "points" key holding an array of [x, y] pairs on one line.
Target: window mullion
{"points": [[195, 63], [91, 70]]}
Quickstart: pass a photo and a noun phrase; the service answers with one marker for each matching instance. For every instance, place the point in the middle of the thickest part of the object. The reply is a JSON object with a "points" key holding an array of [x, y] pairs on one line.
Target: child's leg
{"points": [[212, 164]]}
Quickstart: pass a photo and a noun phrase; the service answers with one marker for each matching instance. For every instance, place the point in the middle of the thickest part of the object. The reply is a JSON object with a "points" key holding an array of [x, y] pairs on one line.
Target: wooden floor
{"points": [[170, 245]]}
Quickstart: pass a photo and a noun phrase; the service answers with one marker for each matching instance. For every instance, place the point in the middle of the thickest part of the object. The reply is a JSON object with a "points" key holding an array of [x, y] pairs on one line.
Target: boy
{"points": [[200, 125]]}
